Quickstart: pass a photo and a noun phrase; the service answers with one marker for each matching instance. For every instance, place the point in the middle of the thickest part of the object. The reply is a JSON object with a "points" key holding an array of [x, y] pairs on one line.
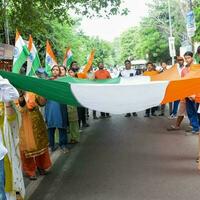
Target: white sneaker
{"points": [[187, 132], [65, 150], [172, 116]]}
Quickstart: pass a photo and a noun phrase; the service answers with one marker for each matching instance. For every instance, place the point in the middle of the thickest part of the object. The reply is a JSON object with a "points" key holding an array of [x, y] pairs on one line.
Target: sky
{"points": [[108, 29]]}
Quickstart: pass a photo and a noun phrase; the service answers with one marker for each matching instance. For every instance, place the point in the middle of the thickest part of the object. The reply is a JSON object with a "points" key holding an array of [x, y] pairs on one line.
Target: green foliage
{"points": [[45, 19], [151, 36], [62, 36], [28, 15], [115, 54], [197, 20]]}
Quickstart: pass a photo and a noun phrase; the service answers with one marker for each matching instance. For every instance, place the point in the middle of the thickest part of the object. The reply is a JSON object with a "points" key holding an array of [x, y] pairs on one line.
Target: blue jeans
{"points": [[198, 114], [175, 107], [2, 181], [192, 114], [62, 137]]}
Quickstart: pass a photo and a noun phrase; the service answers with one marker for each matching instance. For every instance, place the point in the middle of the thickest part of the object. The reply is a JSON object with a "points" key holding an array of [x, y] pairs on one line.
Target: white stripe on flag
{"points": [[120, 98]]}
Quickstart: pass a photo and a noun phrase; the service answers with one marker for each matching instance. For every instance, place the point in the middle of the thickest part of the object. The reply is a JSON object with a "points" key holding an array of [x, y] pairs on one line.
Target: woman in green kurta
{"points": [[73, 124], [73, 118]]}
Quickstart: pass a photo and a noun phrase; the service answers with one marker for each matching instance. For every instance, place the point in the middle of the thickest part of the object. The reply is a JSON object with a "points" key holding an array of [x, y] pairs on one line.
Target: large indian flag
{"points": [[21, 53], [117, 96], [68, 58], [50, 59], [33, 62]]}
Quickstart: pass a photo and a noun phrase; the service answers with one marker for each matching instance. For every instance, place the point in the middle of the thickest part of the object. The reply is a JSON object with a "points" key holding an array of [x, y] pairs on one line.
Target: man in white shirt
{"points": [[127, 73]]}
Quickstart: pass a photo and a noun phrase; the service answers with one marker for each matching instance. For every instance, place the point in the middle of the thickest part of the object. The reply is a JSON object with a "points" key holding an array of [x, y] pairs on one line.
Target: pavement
{"points": [[124, 159]]}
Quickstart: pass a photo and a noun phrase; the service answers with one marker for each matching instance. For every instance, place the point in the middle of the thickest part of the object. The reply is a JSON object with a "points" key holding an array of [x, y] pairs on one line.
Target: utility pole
{"points": [[190, 4], [6, 28], [191, 27], [171, 38], [170, 19]]}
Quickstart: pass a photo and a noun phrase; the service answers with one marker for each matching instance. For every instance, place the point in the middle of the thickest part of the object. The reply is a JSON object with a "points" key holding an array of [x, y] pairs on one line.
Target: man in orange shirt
{"points": [[150, 70], [102, 74]]}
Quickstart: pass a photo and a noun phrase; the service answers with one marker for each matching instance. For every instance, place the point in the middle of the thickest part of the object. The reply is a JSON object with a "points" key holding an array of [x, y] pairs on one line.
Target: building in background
{"points": [[6, 57]]}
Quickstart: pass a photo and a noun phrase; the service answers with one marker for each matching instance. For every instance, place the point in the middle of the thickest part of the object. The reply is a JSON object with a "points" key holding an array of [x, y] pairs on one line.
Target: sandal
{"points": [[73, 142], [173, 128], [42, 172]]}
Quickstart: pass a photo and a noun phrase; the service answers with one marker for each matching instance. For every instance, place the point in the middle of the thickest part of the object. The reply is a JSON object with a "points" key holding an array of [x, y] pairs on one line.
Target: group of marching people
{"points": [[24, 141], [27, 132], [179, 109], [188, 106]]}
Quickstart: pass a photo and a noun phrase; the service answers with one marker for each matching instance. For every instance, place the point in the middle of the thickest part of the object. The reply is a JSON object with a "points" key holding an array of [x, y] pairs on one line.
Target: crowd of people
{"points": [[27, 131]]}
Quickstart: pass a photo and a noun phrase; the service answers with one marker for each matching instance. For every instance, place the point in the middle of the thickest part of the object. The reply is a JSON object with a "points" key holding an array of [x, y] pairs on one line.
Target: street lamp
{"points": [[6, 28]]}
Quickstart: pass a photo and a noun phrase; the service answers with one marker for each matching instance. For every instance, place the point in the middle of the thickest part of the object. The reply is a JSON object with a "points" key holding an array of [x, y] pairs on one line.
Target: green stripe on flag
{"points": [[26, 51], [69, 61], [52, 90], [69, 79], [48, 69], [35, 65], [19, 62]]}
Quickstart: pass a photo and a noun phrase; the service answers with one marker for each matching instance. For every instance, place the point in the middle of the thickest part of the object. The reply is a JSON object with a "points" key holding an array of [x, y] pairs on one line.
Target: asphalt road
{"points": [[126, 159]]}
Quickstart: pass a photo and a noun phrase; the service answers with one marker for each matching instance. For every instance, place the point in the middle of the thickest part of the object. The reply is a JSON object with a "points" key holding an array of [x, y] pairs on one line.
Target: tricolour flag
{"points": [[33, 62], [50, 59], [68, 58], [21, 53], [89, 62], [138, 92]]}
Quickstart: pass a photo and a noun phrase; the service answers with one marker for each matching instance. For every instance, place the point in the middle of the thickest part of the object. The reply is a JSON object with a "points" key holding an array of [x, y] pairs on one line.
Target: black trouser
{"points": [[81, 115], [103, 114], [162, 108], [94, 113], [153, 109]]}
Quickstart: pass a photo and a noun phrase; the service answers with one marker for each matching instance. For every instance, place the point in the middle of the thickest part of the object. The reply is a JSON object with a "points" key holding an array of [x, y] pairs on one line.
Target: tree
{"points": [[29, 15], [151, 36], [45, 19]]}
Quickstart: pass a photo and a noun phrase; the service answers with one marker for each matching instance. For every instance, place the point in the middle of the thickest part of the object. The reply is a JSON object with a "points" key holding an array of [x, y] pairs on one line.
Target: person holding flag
{"points": [[33, 135], [102, 74], [56, 118]]}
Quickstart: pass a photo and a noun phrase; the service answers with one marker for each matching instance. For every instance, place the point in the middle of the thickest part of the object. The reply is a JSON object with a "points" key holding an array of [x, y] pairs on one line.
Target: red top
{"points": [[102, 74], [185, 71]]}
